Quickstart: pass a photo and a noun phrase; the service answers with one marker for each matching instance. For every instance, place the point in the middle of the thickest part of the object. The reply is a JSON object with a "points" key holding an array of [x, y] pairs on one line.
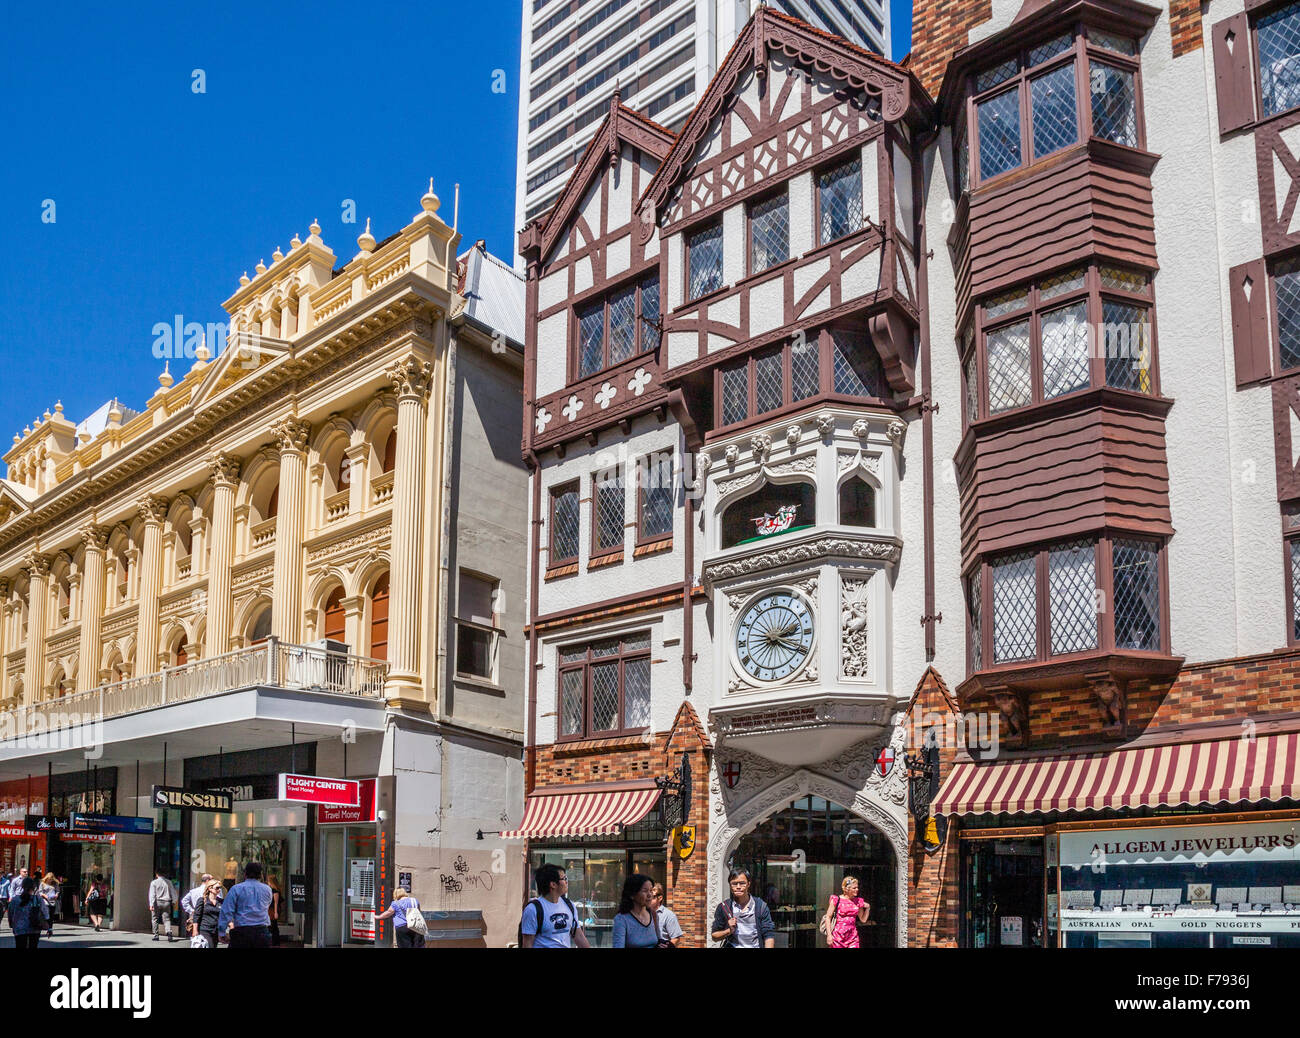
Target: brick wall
{"points": [[1185, 25], [939, 28]]}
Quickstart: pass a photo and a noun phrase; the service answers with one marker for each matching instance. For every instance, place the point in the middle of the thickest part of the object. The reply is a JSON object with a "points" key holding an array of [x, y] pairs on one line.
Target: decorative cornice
{"points": [[774, 555]]}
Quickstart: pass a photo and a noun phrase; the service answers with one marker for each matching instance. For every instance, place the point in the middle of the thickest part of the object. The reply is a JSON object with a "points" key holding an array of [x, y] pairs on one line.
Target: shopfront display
{"points": [[1002, 892], [87, 857], [348, 884], [20, 849]]}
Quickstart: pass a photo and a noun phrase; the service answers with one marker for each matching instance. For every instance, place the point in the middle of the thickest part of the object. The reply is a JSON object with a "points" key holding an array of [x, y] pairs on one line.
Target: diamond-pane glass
{"points": [[573, 655], [609, 513], [1065, 349], [1056, 123], [857, 370], [1114, 104], [636, 641], [962, 159], [1050, 49], [591, 339], [622, 325], [1124, 280], [1294, 547], [1010, 384], [999, 74], [770, 225], [804, 368], [1006, 303], [998, 120], [769, 382], [604, 697], [1278, 39], [605, 648], [1015, 609], [976, 624], [564, 527], [841, 200], [1126, 342], [735, 394], [657, 496], [650, 313], [1137, 595], [972, 390], [1072, 597], [705, 249], [1061, 284], [1109, 41], [636, 693], [571, 702], [1286, 282]]}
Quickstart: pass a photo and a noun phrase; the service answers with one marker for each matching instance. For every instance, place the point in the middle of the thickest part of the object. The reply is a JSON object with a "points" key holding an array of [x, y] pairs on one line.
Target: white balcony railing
{"points": [[272, 664]]}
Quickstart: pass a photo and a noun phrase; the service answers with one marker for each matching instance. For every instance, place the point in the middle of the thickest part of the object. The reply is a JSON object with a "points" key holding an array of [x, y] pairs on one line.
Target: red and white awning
{"points": [[589, 811], [1222, 771]]}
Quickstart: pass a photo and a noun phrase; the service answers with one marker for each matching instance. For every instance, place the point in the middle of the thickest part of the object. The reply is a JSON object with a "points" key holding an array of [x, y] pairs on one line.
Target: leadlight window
{"points": [[622, 325], [604, 687], [976, 633], [1137, 595], [1277, 40], [839, 200], [769, 229], [856, 365], [1293, 556], [1286, 289], [565, 524], [607, 512], [656, 492], [1072, 597], [704, 261], [1114, 103]]}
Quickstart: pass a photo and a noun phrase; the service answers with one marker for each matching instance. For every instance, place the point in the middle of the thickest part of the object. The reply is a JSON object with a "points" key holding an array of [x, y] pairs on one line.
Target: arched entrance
{"points": [[800, 854]]}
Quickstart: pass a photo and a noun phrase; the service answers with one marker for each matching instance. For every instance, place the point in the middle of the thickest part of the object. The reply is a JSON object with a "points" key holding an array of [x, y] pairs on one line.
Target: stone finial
{"points": [[165, 379], [58, 408], [313, 235], [277, 255], [202, 355], [46, 415], [429, 202], [27, 430], [244, 279], [261, 267], [294, 242], [366, 240], [115, 414]]}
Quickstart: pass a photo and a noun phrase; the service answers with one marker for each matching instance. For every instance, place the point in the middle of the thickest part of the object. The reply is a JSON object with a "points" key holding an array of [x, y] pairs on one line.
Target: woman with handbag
{"points": [[404, 910], [843, 914], [637, 925], [207, 914], [97, 902]]}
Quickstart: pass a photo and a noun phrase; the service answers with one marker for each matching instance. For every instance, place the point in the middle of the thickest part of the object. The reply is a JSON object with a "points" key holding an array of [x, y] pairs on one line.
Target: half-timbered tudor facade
{"points": [[302, 555], [724, 414]]}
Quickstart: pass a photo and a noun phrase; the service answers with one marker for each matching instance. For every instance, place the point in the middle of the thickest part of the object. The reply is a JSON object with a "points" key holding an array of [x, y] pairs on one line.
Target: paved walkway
{"points": [[69, 936]]}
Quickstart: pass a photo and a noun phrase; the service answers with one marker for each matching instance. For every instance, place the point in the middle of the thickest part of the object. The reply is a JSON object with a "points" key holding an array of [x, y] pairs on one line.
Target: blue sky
{"points": [[163, 196]]}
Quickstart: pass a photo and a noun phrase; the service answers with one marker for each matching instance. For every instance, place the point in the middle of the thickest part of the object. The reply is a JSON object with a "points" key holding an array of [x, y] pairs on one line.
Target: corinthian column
{"points": [[225, 481], [411, 379], [152, 511], [92, 607], [38, 594], [4, 638], [286, 589]]}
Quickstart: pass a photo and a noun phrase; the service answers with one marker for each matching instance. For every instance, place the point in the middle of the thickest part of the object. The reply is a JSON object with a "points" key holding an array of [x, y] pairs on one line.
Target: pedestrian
{"points": [[191, 900], [275, 910], [28, 915], [245, 913], [14, 888], [670, 930], [162, 895], [743, 921], [636, 925], [550, 920], [206, 916], [49, 893], [97, 901], [843, 914], [403, 910]]}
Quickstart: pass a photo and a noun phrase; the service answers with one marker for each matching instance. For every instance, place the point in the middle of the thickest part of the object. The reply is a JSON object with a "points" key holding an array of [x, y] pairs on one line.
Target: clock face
{"points": [[775, 635]]}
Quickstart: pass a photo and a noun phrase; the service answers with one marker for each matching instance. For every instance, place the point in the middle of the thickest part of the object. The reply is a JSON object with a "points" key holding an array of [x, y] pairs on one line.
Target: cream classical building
{"points": [[303, 555]]}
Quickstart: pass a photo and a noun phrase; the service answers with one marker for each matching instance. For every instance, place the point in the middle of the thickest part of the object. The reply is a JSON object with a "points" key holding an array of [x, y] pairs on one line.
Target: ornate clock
{"points": [[774, 637]]}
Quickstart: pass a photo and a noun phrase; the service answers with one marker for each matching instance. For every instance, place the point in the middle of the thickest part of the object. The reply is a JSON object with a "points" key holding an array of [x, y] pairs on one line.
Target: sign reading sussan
{"points": [[1245, 841], [307, 789], [192, 800]]}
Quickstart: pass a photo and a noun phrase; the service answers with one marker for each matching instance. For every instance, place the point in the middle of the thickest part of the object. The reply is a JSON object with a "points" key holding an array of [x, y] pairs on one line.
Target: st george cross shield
{"points": [[732, 774], [885, 761]]}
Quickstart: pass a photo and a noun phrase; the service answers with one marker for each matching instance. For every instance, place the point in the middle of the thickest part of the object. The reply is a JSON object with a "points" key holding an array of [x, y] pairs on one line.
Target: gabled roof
{"points": [[898, 88], [621, 124]]}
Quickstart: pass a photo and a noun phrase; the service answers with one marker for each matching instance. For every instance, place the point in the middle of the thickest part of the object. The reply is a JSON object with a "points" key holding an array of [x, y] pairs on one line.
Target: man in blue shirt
{"points": [[247, 907]]}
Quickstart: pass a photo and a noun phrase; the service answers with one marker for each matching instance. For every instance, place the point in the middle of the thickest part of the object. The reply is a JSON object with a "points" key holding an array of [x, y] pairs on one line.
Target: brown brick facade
{"points": [[939, 28], [1185, 26]]}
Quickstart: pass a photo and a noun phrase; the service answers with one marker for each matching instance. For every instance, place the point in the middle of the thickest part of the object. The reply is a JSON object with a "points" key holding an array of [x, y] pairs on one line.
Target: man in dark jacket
{"points": [[743, 921]]}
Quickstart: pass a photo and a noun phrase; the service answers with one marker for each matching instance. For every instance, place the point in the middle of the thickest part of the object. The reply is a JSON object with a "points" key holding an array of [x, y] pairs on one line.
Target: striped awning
{"points": [[589, 811], [1223, 771]]}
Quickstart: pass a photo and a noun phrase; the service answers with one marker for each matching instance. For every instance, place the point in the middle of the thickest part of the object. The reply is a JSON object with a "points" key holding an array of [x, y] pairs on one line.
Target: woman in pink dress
{"points": [[843, 915]]}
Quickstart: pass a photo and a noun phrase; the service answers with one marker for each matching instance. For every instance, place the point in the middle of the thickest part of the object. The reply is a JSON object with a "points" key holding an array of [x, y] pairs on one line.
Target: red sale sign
{"points": [[364, 811], [307, 789]]}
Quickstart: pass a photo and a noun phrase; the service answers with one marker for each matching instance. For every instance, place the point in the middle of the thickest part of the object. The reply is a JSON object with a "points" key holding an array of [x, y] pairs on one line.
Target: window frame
{"points": [[494, 631], [819, 171], [1095, 295], [1082, 52], [640, 349], [687, 249], [599, 478], [644, 465], [574, 485], [1290, 535], [585, 666], [781, 192], [1258, 13]]}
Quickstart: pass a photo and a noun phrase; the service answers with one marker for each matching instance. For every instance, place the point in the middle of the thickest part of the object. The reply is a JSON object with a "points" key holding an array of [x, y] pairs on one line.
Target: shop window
{"points": [[774, 509], [335, 625], [477, 632], [607, 509], [379, 619], [1277, 40], [655, 497], [622, 325], [839, 200], [604, 687], [704, 261], [565, 524], [769, 232], [857, 503]]}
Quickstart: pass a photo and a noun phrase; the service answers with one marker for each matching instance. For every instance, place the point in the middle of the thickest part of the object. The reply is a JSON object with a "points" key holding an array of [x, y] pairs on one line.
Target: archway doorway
{"points": [[800, 855]]}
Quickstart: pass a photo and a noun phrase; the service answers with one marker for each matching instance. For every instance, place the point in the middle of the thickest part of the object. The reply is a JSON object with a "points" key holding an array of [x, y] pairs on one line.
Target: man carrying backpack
{"points": [[550, 920]]}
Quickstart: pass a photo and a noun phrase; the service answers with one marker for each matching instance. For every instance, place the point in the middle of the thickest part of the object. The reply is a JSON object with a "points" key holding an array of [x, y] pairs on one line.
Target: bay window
{"points": [[622, 325]]}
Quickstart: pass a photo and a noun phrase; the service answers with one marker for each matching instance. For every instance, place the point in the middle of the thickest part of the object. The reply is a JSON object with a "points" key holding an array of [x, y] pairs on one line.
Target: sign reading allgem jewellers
{"points": [[192, 800], [1253, 841], [308, 789]]}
